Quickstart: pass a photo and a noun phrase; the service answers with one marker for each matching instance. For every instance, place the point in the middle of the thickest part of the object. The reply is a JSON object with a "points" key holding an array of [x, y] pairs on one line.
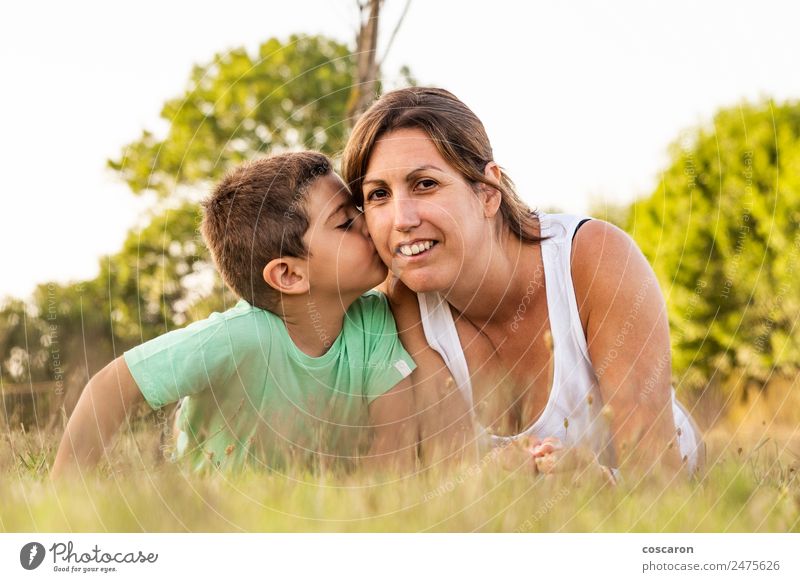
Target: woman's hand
{"points": [[528, 453], [549, 457], [446, 433]]}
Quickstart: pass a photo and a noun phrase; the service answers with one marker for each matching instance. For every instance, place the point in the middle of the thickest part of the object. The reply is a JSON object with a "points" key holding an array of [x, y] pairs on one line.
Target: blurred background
{"points": [[677, 121]]}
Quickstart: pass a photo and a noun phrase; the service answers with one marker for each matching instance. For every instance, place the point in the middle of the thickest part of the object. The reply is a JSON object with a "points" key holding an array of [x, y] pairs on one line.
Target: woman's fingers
{"points": [[547, 447], [572, 459], [545, 465]]}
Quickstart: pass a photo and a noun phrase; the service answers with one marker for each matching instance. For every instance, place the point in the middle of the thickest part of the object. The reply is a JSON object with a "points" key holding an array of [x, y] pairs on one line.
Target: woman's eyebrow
{"points": [[408, 176], [421, 168], [374, 181]]}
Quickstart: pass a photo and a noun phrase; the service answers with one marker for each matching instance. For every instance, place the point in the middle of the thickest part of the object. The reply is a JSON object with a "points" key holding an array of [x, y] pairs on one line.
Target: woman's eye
{"points": [[426, 184], [377, 195]]}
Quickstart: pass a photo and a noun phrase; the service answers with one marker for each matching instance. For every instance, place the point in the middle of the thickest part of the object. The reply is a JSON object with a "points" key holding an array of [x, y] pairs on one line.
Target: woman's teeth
{"points": [[416, 248]]}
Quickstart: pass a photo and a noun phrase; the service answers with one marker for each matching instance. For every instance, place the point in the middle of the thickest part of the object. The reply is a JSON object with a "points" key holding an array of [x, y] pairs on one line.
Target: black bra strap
{"points": [[580, 224]]}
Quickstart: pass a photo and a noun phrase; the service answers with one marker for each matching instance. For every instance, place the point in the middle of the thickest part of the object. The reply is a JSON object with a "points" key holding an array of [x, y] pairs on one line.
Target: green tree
{"points": [[23, 343], [162, 278], [722, 233], [290, 95], [55, 342]]}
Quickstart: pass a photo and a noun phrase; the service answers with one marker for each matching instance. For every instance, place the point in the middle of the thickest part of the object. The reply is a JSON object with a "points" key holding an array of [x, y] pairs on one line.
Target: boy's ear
{"points": [[492, 196], [287, 275]]}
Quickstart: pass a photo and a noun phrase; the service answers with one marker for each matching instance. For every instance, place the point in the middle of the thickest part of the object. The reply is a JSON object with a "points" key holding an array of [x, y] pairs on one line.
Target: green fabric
{"points": [[254, 399]]}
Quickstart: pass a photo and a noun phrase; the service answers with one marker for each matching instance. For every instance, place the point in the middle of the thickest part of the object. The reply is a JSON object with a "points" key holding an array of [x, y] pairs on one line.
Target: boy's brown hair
{"points": [[257, 213]]}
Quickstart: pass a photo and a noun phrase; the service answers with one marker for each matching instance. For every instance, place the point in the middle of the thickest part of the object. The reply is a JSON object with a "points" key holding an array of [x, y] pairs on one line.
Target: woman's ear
{"points": [[492, 196], [286, 275]]}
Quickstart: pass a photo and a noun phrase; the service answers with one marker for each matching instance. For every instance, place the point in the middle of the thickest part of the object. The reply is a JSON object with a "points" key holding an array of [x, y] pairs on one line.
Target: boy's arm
{"points": [[103, 406], [445, 427], [394, 426]]}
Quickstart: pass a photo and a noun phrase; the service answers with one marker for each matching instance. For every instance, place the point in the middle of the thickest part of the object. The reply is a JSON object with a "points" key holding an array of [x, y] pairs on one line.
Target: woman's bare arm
{"points": [[625, 319], [444, 419], [393, 420]]}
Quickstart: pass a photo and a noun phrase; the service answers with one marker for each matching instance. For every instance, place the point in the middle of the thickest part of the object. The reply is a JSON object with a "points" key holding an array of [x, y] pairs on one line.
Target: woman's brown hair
{"points": [[456, 132]]}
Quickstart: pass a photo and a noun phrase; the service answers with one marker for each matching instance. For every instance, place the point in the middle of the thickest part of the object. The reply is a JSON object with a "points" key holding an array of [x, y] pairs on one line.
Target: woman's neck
{"points": [[510, 275]]}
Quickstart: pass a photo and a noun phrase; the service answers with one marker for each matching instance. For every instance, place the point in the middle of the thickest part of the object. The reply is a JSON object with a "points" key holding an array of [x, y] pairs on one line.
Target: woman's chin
{"points": [[420, 281]]}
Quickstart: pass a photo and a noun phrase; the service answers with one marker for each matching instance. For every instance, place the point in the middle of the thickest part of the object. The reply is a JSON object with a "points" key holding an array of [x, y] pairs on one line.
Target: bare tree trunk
{"points": [[365, 88]]}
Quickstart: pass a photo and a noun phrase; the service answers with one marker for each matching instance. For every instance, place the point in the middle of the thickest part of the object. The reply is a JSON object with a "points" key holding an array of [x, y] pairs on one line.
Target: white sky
{"points": [[580, 99]]}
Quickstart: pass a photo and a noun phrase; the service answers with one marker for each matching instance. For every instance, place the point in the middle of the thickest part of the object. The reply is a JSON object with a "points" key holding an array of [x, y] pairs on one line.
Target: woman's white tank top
{"points": [[573, 411]]}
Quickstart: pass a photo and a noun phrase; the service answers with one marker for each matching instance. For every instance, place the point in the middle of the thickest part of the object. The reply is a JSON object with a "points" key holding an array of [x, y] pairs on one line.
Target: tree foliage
{"points": [[289, 95], [723, 235]]}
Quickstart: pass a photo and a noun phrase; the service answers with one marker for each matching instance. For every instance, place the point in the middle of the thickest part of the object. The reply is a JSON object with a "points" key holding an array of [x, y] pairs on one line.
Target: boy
{"points": [[301, 368]]}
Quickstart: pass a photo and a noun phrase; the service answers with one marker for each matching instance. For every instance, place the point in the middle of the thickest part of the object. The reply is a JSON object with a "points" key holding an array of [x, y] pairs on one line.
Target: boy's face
{"points": [[342, 259]]}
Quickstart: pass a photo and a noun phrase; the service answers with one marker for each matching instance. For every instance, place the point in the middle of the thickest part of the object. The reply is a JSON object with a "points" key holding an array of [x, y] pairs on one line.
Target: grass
{"points": [[750, 485], [746, 488]]}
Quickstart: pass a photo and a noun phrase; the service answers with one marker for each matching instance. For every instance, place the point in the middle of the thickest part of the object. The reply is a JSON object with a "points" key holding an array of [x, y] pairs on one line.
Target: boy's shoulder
{"points": [[190, 356], [371, 304], [372, 297], [241, 310], [370, 318], [240, 320]]}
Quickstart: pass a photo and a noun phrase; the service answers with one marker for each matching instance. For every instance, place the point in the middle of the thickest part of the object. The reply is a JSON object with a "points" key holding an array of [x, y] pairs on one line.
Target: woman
{"points": [[551, 325]]}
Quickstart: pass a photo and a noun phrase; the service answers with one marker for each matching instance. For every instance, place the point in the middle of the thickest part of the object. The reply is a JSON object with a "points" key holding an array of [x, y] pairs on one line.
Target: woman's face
{"points": [[428, 224]]}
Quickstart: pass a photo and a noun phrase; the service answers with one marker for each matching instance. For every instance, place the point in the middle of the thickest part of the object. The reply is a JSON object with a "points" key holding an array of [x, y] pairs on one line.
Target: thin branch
{"points": [[394, 34]]}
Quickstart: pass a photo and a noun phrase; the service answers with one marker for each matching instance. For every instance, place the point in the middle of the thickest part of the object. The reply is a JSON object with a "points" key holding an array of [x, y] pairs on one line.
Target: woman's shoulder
{"points": [[597, 246], [605, 261]]}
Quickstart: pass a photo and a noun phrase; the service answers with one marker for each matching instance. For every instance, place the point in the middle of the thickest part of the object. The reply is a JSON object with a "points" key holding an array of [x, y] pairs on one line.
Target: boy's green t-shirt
{"points": [[254, 399]]}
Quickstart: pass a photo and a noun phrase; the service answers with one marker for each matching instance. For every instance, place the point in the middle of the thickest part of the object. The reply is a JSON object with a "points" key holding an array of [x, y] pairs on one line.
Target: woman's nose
{"points": [[406, 215]]}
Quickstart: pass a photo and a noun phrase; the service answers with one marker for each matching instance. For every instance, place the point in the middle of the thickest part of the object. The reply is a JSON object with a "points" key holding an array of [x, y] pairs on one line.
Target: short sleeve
{"points": [[183, 362], [387, 361]]}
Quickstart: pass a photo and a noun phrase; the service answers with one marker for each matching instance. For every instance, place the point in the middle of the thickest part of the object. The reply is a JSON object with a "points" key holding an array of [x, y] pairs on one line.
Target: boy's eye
{"points": [[347, 224]]}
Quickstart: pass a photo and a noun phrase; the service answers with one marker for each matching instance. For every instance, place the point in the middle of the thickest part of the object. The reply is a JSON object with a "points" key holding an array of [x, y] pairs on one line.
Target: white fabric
{"points": [[574, 379]]}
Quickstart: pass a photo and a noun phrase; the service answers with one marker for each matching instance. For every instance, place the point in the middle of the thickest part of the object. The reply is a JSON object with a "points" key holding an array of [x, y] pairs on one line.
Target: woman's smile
{"points": [[415, 249]]}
